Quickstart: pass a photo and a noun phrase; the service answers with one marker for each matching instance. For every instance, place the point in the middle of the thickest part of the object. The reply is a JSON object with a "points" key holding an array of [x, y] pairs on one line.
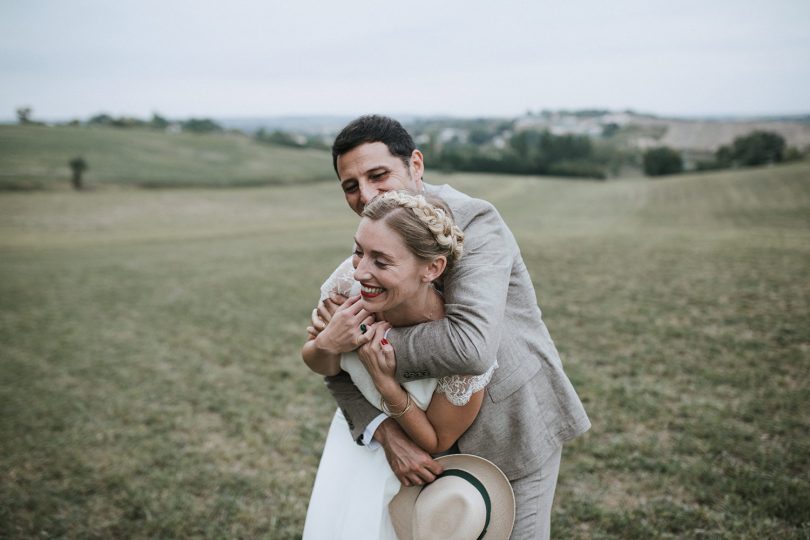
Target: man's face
{"points": [[370, 169]]}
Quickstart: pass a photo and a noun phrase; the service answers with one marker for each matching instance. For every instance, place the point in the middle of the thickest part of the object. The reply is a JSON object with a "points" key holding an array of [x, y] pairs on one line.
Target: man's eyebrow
{"points": [[370, 170]]}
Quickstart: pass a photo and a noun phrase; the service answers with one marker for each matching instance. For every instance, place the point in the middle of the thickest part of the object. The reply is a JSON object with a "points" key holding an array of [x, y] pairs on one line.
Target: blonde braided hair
{"points": [[426, 224]]}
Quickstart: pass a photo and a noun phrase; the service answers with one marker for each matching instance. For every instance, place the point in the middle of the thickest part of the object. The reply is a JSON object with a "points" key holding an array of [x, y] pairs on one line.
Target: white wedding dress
{"points": [[354, 484]]}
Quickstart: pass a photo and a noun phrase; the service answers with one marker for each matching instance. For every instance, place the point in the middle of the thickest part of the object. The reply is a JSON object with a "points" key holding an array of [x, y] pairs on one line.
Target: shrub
{"points": [[661, 161], [758, 148], [200, 125]]}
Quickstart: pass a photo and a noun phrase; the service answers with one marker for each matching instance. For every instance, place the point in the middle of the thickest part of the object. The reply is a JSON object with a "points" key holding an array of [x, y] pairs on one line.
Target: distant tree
{"points": [[318, 141], [479, 136], [503, 126], [77, 166], [724, 157], [24, 115], [158, 122], [661, 161], [610, 129], [278, 137], [525, 152], [128, 122], [756, 148], [528, 147], [759, 148], [102, 119], [537, 151], [200, 125]]}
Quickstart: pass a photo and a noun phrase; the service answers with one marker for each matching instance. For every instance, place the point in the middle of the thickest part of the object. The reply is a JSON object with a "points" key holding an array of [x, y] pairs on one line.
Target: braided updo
{"points": [[424, 223]]}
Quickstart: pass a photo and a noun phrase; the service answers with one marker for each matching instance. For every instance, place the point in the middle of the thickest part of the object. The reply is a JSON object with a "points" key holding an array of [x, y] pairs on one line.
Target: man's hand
{"points": [[412, 465], [324, 312], [343, 333]]}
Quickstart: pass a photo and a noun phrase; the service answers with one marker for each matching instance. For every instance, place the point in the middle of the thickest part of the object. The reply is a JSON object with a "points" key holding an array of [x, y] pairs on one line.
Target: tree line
{"points": [[158, 122], [756, 148], [503, 146], [533, 152], [193, 125]]}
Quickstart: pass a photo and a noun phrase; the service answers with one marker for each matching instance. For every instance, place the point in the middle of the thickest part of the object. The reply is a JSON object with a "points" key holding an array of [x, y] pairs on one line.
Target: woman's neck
{"points": [[427, 305]]}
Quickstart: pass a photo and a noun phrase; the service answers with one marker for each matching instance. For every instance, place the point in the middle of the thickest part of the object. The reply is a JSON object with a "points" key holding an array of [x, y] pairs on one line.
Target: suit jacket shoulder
{"points": [[464, 207]]}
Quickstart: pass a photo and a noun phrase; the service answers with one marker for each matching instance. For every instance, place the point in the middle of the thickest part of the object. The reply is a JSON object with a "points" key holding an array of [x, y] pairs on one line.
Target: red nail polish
{"points": [[383, 342]]}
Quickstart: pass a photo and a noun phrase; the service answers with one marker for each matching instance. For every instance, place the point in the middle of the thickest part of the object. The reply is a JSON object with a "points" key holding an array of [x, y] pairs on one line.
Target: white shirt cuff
{"points": [[368, 434]]}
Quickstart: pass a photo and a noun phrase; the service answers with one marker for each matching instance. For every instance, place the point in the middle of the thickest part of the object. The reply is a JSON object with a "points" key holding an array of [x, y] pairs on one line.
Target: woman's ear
{"points": [[434, 269]]}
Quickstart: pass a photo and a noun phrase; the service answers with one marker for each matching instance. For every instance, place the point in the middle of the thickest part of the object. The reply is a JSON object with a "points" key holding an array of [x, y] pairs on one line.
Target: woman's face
{"points": [[388, 272]]}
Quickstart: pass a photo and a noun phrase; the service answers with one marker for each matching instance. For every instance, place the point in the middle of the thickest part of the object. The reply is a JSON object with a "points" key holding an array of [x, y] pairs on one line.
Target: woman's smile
{"points": [[368, 292]]}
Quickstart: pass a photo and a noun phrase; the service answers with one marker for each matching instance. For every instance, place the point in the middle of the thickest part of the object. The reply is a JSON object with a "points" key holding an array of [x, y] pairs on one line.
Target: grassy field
{"points": [[36, 157], [151, 385]]}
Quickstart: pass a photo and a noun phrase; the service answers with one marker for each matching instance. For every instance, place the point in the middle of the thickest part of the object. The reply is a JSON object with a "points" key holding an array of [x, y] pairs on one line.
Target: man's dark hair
{"points": [[374, 128]]}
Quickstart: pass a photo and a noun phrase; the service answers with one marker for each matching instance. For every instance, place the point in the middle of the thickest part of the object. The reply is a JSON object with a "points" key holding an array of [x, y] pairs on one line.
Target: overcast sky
{"points": [[74, 58]]}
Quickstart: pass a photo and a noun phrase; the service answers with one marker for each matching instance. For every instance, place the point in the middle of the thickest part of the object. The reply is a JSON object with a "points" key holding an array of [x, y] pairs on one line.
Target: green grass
{"points": [[36, 157], [151, 384]]}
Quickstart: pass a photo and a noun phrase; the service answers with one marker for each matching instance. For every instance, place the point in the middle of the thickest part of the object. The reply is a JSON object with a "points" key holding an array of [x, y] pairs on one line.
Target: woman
{"points": [[404, 244]]}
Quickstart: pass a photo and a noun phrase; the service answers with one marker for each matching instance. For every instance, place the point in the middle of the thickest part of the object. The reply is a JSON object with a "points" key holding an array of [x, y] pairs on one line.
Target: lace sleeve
{"points": [[459, 388], [340, 281]]}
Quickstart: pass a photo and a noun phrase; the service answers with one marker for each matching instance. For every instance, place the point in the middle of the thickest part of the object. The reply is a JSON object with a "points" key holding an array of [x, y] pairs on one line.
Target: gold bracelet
{"points": [[387, 407], [387, 410], [408, 403]]}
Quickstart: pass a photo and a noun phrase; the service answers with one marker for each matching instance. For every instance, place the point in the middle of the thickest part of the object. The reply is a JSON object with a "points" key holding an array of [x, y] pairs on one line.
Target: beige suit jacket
{"points": [[530, 407]]}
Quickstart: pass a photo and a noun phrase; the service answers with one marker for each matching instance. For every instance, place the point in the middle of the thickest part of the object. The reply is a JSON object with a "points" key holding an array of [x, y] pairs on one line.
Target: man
{"points": [[530, 408]]}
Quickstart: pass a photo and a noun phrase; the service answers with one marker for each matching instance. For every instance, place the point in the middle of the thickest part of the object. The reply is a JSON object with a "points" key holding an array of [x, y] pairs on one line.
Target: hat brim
{"points": [[502, 516]]}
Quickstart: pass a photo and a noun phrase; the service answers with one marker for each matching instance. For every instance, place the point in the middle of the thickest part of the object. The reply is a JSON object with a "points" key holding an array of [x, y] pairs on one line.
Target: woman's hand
{"points": [[323, 313], [377, 355], [342, 333]]}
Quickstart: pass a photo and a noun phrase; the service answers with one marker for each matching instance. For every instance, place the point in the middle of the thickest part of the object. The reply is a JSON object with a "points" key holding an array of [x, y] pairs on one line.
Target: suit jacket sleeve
{"points": [[358, 412], [466, 340]]}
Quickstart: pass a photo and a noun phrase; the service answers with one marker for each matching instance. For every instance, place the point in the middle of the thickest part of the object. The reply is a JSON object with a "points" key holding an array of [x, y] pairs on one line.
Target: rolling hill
{"points": [[36, 157]]}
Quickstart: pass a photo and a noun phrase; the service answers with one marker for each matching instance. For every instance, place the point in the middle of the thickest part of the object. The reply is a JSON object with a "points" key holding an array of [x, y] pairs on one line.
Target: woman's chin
{"points": [[375, 304], [367, 304]]}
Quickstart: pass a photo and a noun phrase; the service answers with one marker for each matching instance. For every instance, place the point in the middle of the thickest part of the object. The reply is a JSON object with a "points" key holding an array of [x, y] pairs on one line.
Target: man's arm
{"points": [[358, 411], [465, 341]]}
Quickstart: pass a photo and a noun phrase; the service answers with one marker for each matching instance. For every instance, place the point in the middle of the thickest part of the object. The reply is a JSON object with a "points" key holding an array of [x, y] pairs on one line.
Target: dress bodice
{"points": [[421, 391]]}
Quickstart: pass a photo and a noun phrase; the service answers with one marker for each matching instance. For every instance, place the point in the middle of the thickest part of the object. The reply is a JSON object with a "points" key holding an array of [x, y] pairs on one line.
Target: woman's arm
{"points": [[436, 429], [319, 360]]}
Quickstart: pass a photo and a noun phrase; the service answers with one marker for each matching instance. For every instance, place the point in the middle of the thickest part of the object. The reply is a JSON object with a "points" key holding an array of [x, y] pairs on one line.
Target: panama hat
{"points": [[472, 499]]}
